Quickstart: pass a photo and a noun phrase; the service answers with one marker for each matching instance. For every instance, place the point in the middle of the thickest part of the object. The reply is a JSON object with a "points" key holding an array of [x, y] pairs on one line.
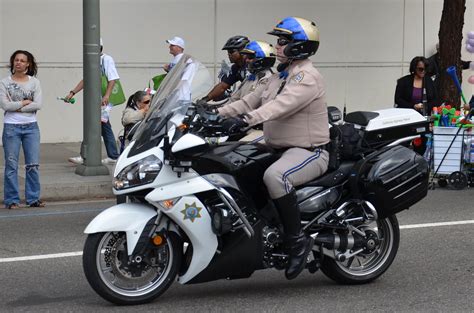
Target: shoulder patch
{"points": [[298, 77]]}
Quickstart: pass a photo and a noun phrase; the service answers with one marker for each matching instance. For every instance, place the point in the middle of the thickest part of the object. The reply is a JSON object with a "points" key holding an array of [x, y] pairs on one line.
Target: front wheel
{"points": [[114, 277], [367, 266]]}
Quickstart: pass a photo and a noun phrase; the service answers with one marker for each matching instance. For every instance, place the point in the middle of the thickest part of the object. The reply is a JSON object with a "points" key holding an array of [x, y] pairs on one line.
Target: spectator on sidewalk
{"points": [[20, 98], [137, 106], [107, 66], [409, 90], [409, 94], [433, 70], [176, 50]]}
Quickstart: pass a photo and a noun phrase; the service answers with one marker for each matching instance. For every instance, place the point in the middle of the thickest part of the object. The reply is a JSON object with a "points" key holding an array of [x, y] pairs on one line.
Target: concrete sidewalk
{"points": [[57, 177]]}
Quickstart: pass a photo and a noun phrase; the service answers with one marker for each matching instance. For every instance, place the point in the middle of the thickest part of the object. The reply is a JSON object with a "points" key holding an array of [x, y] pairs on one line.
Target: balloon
{"points": [[470, 41], [452, 72], [471, 65], [471, 79], [470, 48], [470, 35]]}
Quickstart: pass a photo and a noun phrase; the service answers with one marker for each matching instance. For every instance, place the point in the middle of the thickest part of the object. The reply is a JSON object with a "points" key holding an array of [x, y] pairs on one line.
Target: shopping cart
{"points": [[452, 156]]}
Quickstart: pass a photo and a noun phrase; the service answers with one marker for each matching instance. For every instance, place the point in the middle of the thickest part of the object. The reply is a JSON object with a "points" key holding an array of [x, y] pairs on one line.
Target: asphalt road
{"points": [[433, 271]]}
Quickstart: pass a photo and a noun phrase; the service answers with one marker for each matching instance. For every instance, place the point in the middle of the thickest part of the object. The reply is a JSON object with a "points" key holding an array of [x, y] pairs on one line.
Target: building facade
{"points": [[366, 45]]}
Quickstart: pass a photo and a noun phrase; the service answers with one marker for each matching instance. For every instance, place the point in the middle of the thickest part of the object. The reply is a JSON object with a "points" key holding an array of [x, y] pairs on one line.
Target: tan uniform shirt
{"points": [[249, 86], [296, 117]]}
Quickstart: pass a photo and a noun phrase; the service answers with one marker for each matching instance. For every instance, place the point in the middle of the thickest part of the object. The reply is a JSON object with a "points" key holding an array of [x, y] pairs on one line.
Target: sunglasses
{"points": [[282, 41], [231, 51], [146, 101], [420, 69]]}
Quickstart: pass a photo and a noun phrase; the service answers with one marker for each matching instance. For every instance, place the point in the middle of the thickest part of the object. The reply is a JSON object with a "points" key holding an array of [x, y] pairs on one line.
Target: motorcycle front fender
{"points": [[130, 218]]}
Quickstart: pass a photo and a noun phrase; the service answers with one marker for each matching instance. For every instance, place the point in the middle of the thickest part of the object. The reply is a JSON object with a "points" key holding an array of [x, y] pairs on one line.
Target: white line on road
{"points": [[40, 257], [436, 224], [79, 253]]}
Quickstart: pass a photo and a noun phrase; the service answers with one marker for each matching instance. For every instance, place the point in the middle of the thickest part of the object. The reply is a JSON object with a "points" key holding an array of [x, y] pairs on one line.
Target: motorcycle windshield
{"points": [[187, 81]]}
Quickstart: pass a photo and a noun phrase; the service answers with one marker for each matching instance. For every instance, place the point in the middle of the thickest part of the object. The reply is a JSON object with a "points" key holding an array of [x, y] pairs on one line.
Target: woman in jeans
{"points": [[20, 98]]}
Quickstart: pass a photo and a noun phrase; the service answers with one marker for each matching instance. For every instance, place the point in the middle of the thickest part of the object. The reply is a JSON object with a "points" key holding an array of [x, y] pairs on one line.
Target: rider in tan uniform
{"points": [[292, 108], [261, 56]]}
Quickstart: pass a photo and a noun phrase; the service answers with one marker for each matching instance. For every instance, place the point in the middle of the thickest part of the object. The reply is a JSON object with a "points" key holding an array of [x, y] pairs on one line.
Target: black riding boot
{"points": [[299, 246]]}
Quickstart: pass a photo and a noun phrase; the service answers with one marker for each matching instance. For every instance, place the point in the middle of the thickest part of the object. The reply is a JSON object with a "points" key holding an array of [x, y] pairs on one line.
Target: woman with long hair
{"points": [[135, 111]]}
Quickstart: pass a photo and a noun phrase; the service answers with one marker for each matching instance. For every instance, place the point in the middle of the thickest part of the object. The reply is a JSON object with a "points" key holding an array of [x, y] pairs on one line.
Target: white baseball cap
{"points": [[177, 41]]}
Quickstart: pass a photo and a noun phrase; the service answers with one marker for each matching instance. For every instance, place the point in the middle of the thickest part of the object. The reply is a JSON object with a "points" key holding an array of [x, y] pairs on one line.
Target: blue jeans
{"points": [[109, 140], [28, 136]]}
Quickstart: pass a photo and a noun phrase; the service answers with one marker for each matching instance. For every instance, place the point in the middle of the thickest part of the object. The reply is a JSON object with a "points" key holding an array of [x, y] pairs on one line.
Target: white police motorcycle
{"points": [[198, 210]]}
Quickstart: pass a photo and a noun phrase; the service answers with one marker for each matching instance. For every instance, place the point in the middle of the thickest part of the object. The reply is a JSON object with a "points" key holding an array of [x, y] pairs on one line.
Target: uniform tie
{"points": [[283, 74], [282, 69]]}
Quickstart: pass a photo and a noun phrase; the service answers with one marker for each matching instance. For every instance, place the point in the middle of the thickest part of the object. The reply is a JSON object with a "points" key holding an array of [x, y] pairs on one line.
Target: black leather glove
{"points": [[234, 125], [201, 103], [204, 106]]}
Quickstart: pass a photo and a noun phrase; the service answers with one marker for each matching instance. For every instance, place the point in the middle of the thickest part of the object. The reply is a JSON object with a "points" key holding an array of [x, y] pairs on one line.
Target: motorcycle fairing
{"points": [[193, 218], [185, 186], [130, 218]]}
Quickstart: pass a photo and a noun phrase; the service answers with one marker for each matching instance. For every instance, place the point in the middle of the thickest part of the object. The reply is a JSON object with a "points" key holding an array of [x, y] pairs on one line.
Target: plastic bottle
{"points": [[429, 143], [104, 117], [72, 100], [445, 120]]}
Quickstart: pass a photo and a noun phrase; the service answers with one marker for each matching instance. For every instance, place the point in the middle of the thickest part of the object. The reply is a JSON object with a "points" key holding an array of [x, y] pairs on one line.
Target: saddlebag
{"points": [[392, 179]]}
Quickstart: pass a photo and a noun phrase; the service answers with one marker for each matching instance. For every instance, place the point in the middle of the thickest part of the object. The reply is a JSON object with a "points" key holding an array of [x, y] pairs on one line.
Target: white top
{"points": [[107, 66], [11, 95], [175, 60], [184, 92]]}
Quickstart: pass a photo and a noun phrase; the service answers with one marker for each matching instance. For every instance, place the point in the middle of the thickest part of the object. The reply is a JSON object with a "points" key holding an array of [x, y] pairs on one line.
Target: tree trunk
{"points": [[450, 41]]}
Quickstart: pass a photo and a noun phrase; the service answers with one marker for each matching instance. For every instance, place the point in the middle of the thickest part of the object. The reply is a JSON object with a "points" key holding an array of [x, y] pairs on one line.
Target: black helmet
{"points": [[303, 36], [237, 42], [263, 53]]}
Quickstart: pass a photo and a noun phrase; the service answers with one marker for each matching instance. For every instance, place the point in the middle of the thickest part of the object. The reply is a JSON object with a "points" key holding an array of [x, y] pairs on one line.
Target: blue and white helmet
{"points": [[303, 36], [262, 55]]}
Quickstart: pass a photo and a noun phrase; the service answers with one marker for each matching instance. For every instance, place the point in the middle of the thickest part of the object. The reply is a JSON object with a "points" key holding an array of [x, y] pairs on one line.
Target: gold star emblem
{"points": [[191, 212]]}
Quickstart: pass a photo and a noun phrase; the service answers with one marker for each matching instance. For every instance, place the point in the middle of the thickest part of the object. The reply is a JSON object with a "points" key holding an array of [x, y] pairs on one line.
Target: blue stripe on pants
{"points": [[297, 168]]}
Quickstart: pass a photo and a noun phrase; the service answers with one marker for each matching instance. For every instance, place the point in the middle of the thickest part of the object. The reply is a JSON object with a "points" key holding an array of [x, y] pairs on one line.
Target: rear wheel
{"points": [[367, 266], [114, 277]]}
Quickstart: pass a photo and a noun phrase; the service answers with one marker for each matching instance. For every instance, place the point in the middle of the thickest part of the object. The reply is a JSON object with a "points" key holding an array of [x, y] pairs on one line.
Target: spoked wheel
{"points": [[382, 240], [458, 180], [113, 275]]}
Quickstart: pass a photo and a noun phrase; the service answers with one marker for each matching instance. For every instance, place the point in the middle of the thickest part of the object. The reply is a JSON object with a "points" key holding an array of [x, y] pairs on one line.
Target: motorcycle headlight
{"points": [[142, 172]]}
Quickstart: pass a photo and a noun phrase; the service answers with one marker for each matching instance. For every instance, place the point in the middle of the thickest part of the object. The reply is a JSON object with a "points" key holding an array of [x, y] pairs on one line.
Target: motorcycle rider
{"points": [[261, 56], [292, 107], [238, 70]]}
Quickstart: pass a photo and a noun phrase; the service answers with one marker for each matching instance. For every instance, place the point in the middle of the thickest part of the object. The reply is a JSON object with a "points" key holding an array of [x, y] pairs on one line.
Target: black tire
{"points": [[91, 259], [442, 182], [341, 272]]}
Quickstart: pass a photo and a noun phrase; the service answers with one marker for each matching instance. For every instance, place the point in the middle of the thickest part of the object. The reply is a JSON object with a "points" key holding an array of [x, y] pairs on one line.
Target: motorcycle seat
{"points": [[332, 178]]}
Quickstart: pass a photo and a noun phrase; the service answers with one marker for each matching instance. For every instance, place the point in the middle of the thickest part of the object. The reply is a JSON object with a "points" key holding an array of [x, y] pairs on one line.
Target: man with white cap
{"points": [[176, 50]]}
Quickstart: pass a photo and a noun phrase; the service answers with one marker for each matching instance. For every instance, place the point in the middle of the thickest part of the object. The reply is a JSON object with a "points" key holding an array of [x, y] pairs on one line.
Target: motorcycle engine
{"points": [[272, 240]]}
